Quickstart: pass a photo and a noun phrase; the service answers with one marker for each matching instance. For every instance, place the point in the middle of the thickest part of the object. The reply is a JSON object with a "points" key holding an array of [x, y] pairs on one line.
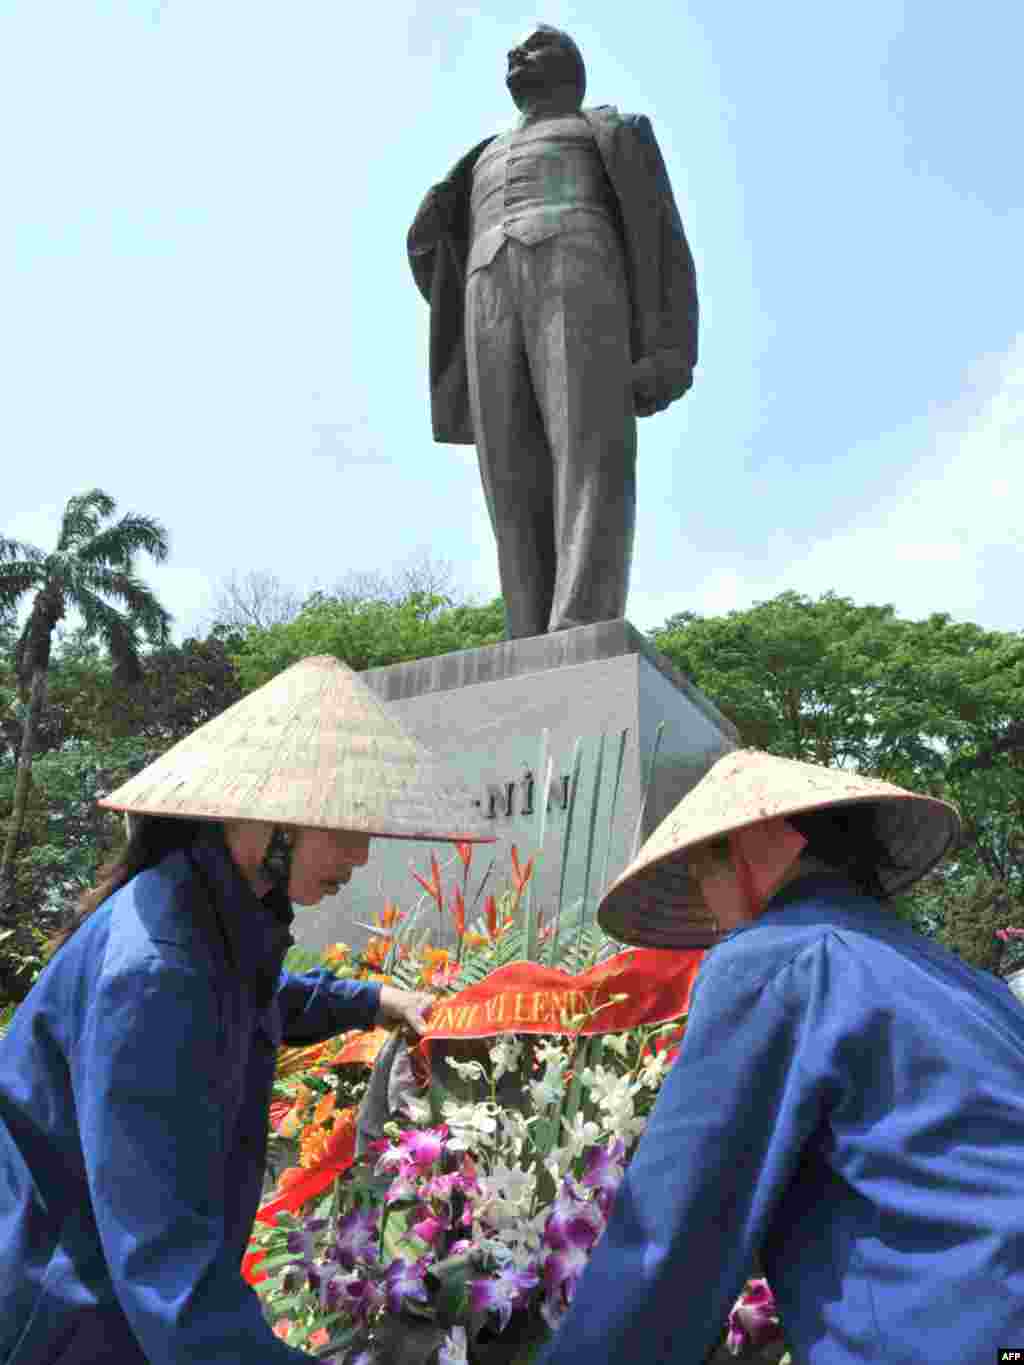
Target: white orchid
{"points": [[505, 1055], [453, 1350], [617, 1043], [549, 1051], [515, 1128], [581, 1133], [471, 1125], [653, 1068], [467, 1071]]}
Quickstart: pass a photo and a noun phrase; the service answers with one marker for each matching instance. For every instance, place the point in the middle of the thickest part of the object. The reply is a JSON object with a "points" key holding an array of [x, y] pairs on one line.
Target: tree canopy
{"points": [[934, 705]]}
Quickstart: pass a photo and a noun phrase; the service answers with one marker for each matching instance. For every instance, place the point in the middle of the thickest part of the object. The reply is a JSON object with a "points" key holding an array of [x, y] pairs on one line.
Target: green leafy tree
{"points": [[368, 633], [91, 572], [934, 705]]}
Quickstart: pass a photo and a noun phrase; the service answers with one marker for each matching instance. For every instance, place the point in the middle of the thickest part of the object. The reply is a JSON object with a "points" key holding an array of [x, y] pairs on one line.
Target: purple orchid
{"points": [[603, 1171], [572, 1228], [300, 1242], [573, 1222], [357, 1296], [404, 1280], [562, 1271], [500, 1295], [753, 1320], [355, 1239]]}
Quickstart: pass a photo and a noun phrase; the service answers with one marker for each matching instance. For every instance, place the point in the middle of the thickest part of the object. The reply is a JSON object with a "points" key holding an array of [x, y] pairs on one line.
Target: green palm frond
{"points": [[118, 544], [82, 517], [18, 577], [590, 947], [89, 583], [118, 632], [13, 550]]}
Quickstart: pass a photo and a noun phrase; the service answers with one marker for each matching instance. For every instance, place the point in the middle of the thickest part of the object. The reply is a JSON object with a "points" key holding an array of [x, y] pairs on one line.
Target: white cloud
{"points": [[948, 540]]}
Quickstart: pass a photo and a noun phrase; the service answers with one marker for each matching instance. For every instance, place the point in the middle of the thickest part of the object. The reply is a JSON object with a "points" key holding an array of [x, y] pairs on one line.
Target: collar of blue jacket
{"points": [[256, 932]]}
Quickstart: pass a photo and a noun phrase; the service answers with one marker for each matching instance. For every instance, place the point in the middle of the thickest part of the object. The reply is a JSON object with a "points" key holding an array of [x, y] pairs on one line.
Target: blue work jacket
{"points": [[134, 1090], [848, 1102]]}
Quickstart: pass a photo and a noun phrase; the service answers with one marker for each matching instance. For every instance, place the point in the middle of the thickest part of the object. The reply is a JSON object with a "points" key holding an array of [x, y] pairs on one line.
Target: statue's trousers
{"points": [[548, 352]]}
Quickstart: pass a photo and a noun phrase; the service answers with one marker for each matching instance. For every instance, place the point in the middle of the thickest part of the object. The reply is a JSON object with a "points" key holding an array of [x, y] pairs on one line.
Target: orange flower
{"points": [[341, 1134], [459, 912], [473, 940], [390, 915], [438, 970], [312, 1146], [491, 914], [325, 1107], [320, 1337], [282, 1327], [433, 887], [375, 952], [465, 852], [520, 875], [336, 952]]}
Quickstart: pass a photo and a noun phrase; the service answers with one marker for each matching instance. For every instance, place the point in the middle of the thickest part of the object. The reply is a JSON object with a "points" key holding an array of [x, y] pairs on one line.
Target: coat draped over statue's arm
{"points": [[660, 270]]}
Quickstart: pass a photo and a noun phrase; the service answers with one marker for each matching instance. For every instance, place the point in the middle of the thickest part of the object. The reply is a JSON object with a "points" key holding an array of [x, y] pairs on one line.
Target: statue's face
{"points": [[540, 62]]}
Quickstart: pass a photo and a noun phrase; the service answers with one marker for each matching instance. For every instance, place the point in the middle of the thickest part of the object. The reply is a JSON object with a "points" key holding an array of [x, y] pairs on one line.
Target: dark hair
{"points": [[569, 44], [150, 840], [846, 838]]}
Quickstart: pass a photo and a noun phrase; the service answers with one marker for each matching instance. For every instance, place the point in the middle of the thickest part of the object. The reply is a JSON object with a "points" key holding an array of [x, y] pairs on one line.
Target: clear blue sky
{"points": [[205, 307]]}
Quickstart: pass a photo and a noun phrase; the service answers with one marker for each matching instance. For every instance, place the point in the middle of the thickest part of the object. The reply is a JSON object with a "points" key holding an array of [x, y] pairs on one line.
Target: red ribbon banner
{"points": [[654, 985]]}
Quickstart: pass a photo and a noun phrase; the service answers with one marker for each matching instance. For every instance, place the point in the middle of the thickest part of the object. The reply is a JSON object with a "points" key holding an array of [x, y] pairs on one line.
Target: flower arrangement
{"points": [[457, 1235], [482, 1216]]}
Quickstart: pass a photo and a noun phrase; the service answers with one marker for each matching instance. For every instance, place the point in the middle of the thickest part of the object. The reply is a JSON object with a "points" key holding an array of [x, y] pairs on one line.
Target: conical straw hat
{"points": [[313, 747], [656, 903]]}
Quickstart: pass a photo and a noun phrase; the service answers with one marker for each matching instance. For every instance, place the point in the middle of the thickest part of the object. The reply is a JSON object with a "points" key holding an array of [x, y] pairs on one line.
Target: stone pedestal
{"points": [[486, 710]]}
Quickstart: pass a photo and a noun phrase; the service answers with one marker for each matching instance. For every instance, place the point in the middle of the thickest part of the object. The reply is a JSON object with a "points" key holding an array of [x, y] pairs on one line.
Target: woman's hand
{"points": [[411, 1008]]}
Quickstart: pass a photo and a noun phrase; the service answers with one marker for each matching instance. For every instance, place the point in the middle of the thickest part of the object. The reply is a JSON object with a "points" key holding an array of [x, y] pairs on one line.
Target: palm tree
{"points": [[91, 568]]}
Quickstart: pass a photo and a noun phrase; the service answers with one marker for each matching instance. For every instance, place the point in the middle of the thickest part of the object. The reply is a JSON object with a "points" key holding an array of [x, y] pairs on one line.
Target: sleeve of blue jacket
{"points": [[316, 1005], [720, 1147], [148, 1092]]}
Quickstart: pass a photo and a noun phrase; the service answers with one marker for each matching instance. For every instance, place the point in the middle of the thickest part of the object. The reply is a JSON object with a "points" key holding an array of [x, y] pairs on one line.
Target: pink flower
{"points": [[753, 1320], [320, 1337], [282, 1327], [430, 1227], [423, 1148]]}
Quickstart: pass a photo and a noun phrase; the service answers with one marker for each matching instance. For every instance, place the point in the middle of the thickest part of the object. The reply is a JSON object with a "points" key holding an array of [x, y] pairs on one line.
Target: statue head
{"points": [[547, 60]]}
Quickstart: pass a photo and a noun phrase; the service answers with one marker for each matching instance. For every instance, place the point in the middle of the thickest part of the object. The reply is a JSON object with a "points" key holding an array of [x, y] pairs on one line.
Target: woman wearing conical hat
{"points": [[847, 1104], [136, 1075]]}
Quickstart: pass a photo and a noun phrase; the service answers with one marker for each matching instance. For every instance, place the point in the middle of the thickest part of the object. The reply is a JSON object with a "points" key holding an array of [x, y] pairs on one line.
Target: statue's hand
{"points": [[659, 380]]}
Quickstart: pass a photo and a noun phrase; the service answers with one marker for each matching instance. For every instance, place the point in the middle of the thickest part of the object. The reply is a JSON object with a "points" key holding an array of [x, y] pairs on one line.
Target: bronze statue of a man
{"points": [[563, 304]]}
